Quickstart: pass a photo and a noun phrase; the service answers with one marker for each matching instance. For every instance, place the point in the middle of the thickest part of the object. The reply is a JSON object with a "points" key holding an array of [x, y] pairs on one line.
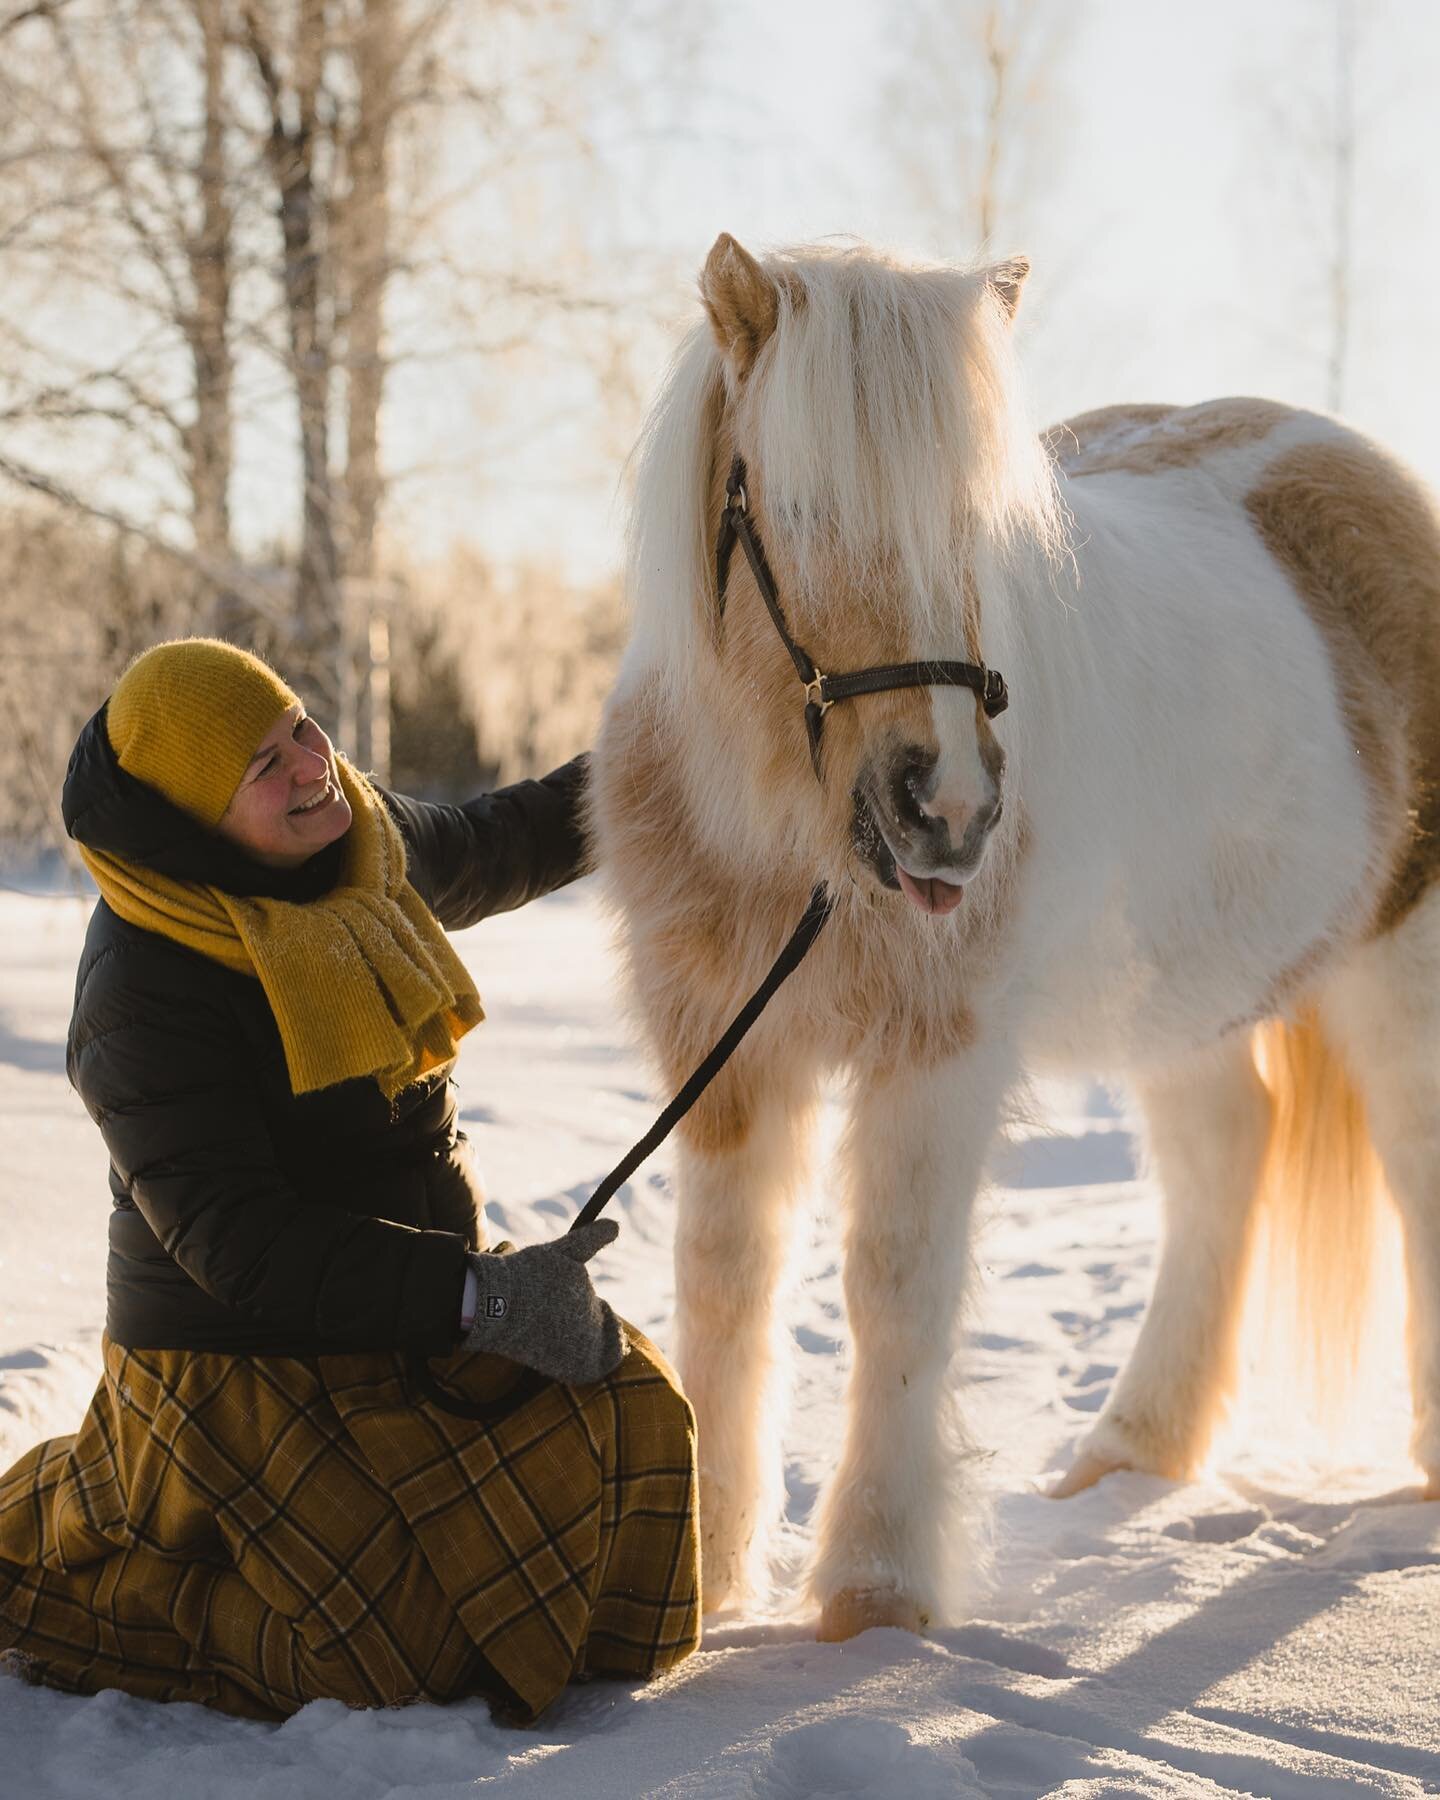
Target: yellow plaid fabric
{"points": [[257, 1532]]}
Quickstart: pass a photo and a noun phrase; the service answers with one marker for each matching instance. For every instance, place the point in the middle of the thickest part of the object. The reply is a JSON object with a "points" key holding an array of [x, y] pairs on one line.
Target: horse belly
{"points": [[1176, 955]]}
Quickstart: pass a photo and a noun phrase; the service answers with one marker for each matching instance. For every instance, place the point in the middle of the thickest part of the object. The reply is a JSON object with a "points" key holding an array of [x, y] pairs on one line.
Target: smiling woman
{"points": [[288, 804], [272, 1498]]}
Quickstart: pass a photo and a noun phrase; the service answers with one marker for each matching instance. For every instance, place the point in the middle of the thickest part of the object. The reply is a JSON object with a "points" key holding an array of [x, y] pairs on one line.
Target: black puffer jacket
{"points": [[247, 1219]]}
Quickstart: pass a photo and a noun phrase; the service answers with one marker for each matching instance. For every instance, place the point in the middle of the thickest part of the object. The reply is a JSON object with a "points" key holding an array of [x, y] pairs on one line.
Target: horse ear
{"points": [[741, 299], [1006, 280]]}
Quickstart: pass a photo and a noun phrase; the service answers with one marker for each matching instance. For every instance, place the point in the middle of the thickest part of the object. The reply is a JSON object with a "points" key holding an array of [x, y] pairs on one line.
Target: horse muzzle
{"points": [[910, 841]]}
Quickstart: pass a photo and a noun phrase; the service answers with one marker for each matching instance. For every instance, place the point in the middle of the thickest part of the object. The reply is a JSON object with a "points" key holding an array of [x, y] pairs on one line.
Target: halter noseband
{"points": [[822, 691]]}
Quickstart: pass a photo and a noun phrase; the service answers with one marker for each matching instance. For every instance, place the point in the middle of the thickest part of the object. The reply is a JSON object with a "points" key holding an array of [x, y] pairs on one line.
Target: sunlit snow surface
{"points": [[1264, 1631]]}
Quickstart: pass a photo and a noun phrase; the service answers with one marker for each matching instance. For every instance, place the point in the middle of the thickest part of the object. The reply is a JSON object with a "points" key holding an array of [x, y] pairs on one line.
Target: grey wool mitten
{"points": [[537, 1307]]}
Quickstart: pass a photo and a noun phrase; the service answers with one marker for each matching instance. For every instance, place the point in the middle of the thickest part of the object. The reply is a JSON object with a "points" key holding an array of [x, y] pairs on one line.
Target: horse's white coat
{"points": [[1199, 818], [1186, 826]]}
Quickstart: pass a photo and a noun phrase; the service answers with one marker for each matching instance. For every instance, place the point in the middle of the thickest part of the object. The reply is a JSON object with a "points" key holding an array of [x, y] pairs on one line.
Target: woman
{"points": [[337, 1452]]}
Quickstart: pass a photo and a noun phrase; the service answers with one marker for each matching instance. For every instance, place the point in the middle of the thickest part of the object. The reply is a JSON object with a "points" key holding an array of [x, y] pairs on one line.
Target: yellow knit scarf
{"points": [[362, 981]]}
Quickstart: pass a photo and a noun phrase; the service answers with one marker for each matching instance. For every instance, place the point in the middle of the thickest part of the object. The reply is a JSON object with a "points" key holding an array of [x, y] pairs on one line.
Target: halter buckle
{"points": [[735, 499], [815, 693]]}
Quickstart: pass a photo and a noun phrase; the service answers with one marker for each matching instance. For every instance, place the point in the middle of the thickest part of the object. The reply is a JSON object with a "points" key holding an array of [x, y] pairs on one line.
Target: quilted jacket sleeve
{"points": [[497, 851], [162, 1068]]}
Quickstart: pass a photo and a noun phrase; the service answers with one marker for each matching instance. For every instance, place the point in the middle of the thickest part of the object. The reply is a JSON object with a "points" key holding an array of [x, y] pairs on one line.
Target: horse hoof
{"points": [[1084, 1472], [1431, 1490], [854, 1610], [717, 1591]]}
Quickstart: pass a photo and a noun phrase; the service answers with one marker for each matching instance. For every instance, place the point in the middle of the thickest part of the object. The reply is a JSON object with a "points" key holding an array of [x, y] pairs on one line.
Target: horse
{"points": [[1198, 853]]}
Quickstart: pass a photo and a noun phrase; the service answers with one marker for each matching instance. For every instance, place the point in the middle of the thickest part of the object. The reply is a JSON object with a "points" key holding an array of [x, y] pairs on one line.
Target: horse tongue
{"points": [[930, 893]]}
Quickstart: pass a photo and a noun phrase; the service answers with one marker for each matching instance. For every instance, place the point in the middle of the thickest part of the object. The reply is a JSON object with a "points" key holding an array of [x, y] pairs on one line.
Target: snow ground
{"points": [[1260, 1631]]}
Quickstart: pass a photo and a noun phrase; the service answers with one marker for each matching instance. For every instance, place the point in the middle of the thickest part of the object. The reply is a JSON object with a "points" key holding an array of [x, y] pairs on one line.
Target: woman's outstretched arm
{"points": [[497, 851]]}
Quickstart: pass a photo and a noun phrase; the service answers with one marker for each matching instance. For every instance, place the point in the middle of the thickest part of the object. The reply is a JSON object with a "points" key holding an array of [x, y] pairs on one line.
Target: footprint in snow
{"points": [[816, 1342], [862, 1759], [1218, 1527], [1096, 1372]]}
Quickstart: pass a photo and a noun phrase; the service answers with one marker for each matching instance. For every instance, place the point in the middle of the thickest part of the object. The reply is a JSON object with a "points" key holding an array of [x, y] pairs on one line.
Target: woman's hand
{"points": [[537, 1307]]}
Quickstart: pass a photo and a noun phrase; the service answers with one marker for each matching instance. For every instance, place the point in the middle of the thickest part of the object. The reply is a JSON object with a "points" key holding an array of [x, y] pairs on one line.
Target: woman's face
{"points": [[288, 804]]}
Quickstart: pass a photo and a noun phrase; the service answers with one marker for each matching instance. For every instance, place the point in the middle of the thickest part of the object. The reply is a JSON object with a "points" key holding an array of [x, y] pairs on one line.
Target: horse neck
{"points": [[1080, 675]]}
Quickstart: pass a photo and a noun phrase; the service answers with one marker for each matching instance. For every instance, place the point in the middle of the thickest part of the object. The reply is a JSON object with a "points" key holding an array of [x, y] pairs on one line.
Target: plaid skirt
{"points": [[257, 1532]]}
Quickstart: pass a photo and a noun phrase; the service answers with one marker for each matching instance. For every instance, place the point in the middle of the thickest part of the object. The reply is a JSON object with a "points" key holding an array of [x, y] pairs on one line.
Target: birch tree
{"points": [[237, 189], [966, 122], [1313, 117], [1341, 171], [116, 200]]}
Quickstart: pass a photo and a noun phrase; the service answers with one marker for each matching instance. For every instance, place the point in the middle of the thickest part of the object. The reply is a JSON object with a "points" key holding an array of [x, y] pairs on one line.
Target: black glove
{"points": [[537, 1307]]}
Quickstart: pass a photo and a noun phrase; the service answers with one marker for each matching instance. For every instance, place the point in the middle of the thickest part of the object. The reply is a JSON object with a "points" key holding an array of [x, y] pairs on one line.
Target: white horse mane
{"points": [[884, 413]]}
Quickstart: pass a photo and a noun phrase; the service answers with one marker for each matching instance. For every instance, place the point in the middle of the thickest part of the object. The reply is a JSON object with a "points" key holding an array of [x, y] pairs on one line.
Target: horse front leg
{"points": [[738, 1161], [892, 1529]]}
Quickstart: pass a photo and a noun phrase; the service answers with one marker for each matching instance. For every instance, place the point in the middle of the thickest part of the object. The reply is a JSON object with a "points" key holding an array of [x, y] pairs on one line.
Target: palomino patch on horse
{"points": [[1146, 440], [1210, 798]]}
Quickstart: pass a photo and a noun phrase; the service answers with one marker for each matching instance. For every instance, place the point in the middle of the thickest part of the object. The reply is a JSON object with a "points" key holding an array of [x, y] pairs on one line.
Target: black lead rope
{"points": [[796, 949]]}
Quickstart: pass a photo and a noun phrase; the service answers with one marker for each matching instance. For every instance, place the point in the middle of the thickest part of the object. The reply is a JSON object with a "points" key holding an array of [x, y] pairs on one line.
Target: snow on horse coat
{"points": [[1197, 852]]}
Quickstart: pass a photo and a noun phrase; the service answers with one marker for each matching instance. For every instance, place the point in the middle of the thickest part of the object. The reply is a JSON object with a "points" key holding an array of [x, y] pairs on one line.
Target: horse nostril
{"points": [[909, 793], [913, 783]]}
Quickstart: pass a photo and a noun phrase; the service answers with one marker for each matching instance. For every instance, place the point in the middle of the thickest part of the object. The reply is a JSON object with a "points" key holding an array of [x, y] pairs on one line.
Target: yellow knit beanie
{"points": [[186, 717]]}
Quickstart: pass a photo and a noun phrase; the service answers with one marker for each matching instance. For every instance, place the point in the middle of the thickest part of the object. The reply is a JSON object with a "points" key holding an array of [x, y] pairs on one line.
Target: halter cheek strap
{"points": [[822, 691]]}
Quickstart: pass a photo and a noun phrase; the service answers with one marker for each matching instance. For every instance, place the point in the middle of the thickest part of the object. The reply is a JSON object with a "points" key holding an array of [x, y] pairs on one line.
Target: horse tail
{"points": [[1323, 1203]]}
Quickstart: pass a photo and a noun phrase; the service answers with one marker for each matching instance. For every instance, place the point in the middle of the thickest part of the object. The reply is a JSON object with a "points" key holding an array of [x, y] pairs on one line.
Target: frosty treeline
{"points": [[495, 673]]}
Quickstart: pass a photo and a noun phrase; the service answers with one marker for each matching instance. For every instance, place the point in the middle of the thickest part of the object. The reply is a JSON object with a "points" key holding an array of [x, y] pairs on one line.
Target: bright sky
{"points": [[1179, 241], [1179, 236]]}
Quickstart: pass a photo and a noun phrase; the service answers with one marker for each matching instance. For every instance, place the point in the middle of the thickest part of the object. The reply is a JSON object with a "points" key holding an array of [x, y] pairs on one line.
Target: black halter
{"points": [[822, 691]]}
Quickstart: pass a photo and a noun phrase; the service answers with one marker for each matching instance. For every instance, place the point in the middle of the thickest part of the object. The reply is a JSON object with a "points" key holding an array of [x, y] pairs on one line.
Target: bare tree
{"points": [[1342, 183], [387, 120], [243, 196], [291, 77], [118, 194], [967, 116], [1313, 127]]}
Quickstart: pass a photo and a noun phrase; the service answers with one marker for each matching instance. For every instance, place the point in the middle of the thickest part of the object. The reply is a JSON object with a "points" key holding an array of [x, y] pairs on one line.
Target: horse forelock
{"points": [[883, 419]]}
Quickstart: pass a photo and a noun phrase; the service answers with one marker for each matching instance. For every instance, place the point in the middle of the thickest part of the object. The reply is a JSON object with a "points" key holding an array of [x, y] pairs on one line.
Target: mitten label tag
{"points": [[495, 1306]]}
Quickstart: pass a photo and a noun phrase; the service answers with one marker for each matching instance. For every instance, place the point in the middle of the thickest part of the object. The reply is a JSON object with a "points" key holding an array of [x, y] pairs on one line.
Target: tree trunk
{"points": [[209, 442], [1342, 260], [292, 151], [365, 266]]}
